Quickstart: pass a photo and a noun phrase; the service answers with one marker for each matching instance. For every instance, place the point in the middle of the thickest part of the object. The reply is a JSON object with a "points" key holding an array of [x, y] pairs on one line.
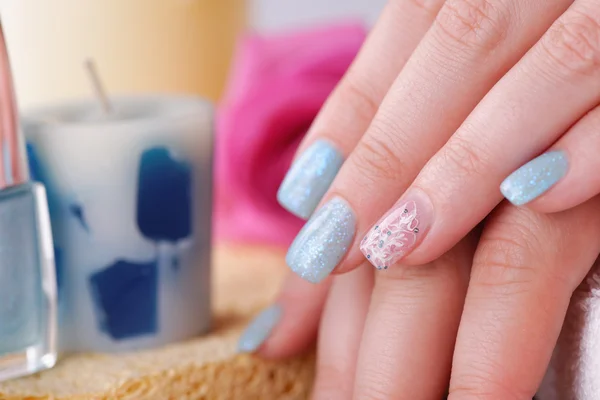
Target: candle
{"points": [[130, 201]]}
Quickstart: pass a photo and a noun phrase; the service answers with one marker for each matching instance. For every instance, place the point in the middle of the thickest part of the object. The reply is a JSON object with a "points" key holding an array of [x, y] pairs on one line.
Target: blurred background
{"points": [[148, 45], [159, 128], [268, 65]]}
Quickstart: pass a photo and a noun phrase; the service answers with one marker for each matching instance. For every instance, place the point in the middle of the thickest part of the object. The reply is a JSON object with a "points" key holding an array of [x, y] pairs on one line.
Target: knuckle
{"points": [[517, 247], [474, 24], [503, 264], [448, 271], [415, 287], [378, 156], [505, 259], [464, 158], [359, 94], [573, 44]]}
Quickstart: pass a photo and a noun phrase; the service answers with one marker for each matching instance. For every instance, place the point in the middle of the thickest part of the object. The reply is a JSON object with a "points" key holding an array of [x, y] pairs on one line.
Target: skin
{"points": [[481, 321], [478, 313]]}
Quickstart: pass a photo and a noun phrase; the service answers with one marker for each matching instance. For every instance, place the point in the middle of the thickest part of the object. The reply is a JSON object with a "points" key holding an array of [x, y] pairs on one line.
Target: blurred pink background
{"points": [[277, 85]]}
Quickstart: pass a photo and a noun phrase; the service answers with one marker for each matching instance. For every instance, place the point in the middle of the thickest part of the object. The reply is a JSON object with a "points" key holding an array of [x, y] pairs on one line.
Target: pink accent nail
{"points": [[399, 231]]}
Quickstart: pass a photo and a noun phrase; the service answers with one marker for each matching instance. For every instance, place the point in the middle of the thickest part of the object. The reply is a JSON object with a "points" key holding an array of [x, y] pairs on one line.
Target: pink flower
{"points": [[276, 87]]}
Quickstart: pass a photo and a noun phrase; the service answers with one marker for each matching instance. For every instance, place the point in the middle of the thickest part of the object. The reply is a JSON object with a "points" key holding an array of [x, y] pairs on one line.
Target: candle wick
{"points": [[97, 86]]}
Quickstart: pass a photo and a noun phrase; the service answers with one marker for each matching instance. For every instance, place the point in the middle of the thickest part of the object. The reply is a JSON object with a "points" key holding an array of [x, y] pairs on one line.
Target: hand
{"points": [[444, 101], [485, 332]]}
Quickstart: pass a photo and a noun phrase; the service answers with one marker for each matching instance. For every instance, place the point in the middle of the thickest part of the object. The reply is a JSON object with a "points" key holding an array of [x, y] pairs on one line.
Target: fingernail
{"points": [[309, 178], [259, 329], [398, 232], [323, 241], [535, 178]]}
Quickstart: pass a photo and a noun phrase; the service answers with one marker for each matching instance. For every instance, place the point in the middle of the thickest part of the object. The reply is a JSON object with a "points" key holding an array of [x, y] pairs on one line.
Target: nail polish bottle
{"points": [[28, 298]]}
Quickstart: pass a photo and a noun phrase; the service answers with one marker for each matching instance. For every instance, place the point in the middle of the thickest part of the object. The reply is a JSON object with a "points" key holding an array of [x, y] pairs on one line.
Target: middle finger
{"points": [[470, 46]]}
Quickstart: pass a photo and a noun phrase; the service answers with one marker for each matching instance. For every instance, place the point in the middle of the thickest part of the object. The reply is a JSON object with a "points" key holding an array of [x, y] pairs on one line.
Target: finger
{"points": [[349, 110], [469, 47], [289, 326], [555, 84], [525, 270], [569, 169], [408, 341], [340, 334]]}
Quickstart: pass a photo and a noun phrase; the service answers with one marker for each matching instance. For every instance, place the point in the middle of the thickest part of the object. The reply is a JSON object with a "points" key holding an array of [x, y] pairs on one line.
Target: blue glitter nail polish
{"points": [[259, 329], [309, 178], [323, 241], [535, 178]]}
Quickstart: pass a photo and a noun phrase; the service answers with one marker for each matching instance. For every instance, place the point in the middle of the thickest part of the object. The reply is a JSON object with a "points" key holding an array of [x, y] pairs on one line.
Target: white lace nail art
{"points": [[394, 235]]}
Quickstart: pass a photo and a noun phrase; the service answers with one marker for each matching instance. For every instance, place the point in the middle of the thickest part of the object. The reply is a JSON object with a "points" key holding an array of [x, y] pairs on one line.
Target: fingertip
{"points": [[259, 329], [323, 242], [531, 183]]}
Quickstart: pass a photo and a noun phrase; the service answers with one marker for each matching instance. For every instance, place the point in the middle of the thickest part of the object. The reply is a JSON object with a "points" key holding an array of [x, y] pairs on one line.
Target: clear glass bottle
{"points": [[28, 298]]}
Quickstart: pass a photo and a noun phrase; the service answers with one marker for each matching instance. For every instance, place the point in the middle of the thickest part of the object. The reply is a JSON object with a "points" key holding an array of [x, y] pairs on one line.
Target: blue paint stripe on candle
{"points": [[126, 298], [164, 199]]}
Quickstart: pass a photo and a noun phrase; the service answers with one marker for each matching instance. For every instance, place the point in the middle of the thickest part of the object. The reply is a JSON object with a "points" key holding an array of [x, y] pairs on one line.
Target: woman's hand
{"points": [[484, 332], [444, 102]]}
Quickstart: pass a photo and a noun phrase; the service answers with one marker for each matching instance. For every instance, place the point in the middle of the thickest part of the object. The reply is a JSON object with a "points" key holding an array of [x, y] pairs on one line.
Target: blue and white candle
{"points": [[130, 201]]}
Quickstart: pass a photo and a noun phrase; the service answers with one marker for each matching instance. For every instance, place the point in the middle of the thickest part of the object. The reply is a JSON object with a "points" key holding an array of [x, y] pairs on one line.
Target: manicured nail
{"points": [[259, 329], [399, 231], [535, 178], [323, 241], [309, 178]]}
